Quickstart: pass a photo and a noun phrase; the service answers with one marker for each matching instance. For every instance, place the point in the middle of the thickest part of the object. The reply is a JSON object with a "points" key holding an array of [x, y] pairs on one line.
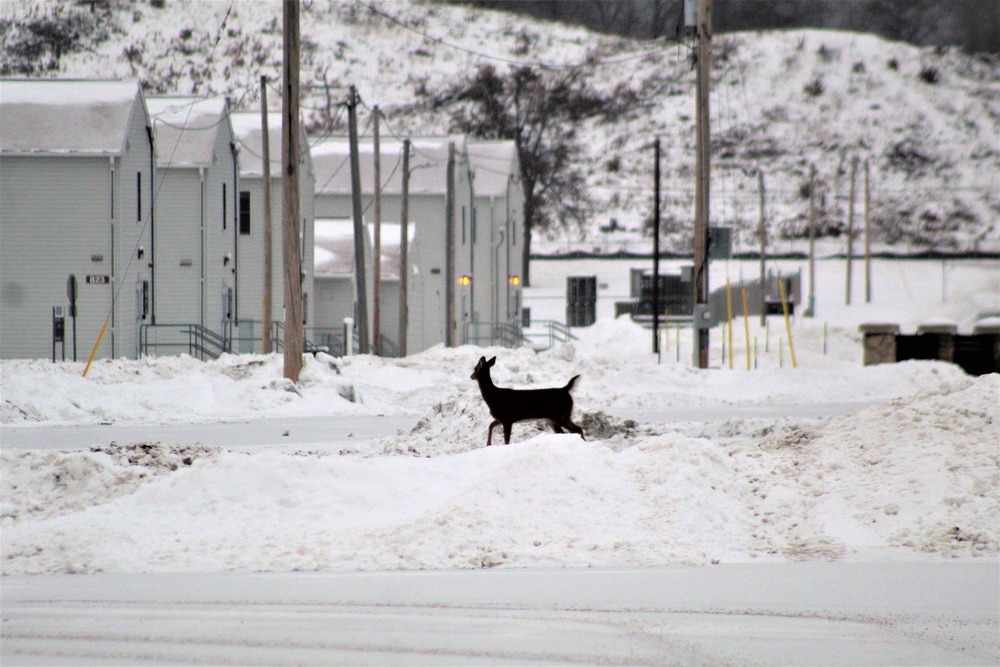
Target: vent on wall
{"points": [[185, 262]]}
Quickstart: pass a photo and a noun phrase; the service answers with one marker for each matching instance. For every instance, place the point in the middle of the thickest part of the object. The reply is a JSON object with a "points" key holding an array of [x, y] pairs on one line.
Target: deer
{"points": [[508, 406]]}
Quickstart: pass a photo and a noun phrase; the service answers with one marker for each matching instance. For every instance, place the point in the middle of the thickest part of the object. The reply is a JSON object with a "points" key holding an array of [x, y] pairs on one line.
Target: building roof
{"points": [[493, 164], [390, 238], [250, 139], [186, 129], [428, 165], [334, 252], [71, 117]]}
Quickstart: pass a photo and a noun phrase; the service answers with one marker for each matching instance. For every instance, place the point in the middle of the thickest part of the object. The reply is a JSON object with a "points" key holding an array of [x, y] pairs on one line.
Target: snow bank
{"points": [[917, 475]]}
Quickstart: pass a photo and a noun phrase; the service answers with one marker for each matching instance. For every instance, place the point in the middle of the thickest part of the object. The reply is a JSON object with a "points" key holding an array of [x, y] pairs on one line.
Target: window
{"points": [[138, 197], [244, 213], [463, 225], [223, 206]]}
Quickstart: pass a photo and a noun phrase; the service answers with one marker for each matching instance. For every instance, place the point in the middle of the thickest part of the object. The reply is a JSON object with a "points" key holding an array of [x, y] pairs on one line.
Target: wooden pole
{"points": [[746, 323], [788, 325], [291, 251], [729, 320], [850, 233], [868, 241], [449, 244], [656, 246], [702, 176], [762, 232], [404, 250], [267, 345], [361, 296], [811, 310], [377, 241]]}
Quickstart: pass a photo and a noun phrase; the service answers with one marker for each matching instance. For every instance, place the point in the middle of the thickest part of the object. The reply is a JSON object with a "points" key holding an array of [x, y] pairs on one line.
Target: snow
{"points": [[933, 148], [84, 117], [894, 462], [185, 129]]}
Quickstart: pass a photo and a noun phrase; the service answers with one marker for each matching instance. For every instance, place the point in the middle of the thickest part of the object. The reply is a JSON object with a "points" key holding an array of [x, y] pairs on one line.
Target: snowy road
{"points": [[332, 432], [327, 432], [806, 613]]}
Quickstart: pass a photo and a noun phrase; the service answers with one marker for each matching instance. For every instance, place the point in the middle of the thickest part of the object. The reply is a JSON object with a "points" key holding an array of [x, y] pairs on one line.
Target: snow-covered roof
{"points": [[493, 164], [76, 117], [390, 237], [428, 165], [250, 141], [186, 129], [334, 252]]}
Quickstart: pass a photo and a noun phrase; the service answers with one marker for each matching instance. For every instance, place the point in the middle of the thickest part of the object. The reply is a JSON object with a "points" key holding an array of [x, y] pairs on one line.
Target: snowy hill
{"points": [[927, 120]]}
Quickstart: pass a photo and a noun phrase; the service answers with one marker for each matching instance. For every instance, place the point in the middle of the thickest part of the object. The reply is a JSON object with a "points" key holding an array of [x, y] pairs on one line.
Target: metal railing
{"points": [[485, 334], [543, 334], [194, 339]]}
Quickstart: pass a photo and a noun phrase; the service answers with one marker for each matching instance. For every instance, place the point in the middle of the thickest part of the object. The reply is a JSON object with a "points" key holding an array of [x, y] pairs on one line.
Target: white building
{"points": [[498, 214], [197, 246], [336, 280], [249, 139], [439, 303], [76, 176]]}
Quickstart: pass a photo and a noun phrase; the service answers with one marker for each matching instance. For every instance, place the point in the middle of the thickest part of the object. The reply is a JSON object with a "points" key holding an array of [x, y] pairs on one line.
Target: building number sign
{"points": [[98, 280]]}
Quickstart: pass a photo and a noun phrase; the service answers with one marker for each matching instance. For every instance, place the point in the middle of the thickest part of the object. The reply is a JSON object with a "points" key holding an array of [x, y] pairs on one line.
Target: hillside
{"points": [[927, 120]]}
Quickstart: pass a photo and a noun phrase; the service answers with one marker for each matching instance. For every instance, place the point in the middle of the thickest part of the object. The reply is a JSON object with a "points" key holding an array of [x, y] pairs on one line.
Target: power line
{"points": [[509, 61]]}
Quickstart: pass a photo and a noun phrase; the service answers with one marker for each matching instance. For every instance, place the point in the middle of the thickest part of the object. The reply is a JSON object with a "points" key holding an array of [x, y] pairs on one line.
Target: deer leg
{"points": [[489, 432], [573, 428], [556, 427], [506, 432]]}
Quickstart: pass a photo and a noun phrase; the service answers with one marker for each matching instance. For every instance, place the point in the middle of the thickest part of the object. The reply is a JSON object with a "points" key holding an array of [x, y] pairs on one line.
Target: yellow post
{"points": [[93, 352], [746, 325], [788, 327], [729, 321]]}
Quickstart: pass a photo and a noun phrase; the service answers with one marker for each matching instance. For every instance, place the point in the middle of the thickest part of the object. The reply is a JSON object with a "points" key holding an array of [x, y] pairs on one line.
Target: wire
{"points": [[155, 191], [510, 61]]}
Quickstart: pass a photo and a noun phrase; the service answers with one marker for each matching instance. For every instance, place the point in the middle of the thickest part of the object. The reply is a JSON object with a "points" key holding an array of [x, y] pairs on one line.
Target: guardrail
{"points": [[506, 334], [550, 333], [194, 339]]}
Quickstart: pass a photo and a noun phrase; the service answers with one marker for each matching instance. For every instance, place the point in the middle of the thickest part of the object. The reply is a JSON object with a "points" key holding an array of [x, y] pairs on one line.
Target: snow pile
{"points": [[914, 475], [922, 473], [461, 423], [38, 485]]}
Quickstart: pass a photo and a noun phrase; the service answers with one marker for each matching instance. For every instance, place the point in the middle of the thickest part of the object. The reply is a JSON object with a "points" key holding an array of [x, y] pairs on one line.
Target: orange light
{"points": [[514, 280], [466, 280]]}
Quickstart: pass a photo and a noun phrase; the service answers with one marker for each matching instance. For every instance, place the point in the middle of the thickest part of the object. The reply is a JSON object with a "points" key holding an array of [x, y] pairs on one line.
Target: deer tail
{"points": [[572, 381]]}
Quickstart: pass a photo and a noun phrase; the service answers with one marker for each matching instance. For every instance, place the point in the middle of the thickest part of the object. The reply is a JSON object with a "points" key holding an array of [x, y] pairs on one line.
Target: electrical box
{"points": [[720, 242]]}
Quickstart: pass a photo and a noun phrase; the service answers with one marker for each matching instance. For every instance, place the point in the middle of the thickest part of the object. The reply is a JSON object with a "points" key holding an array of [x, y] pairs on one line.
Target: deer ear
{"points": [[482, 361], [491, 361]]}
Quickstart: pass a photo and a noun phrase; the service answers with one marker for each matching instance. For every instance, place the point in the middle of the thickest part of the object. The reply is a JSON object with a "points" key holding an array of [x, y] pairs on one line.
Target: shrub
{"points": [[929, 74], [815, 88]]}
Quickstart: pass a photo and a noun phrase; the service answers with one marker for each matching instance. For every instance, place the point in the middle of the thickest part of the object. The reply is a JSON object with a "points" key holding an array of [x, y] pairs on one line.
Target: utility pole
{"points": [[449, 246], [359, 227], [850, 232], [868, 242], [377, 250], [811, 311], [267, 345], [404, 250], [762, 232], [291, 251], [656, 246], [703, 32]]}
